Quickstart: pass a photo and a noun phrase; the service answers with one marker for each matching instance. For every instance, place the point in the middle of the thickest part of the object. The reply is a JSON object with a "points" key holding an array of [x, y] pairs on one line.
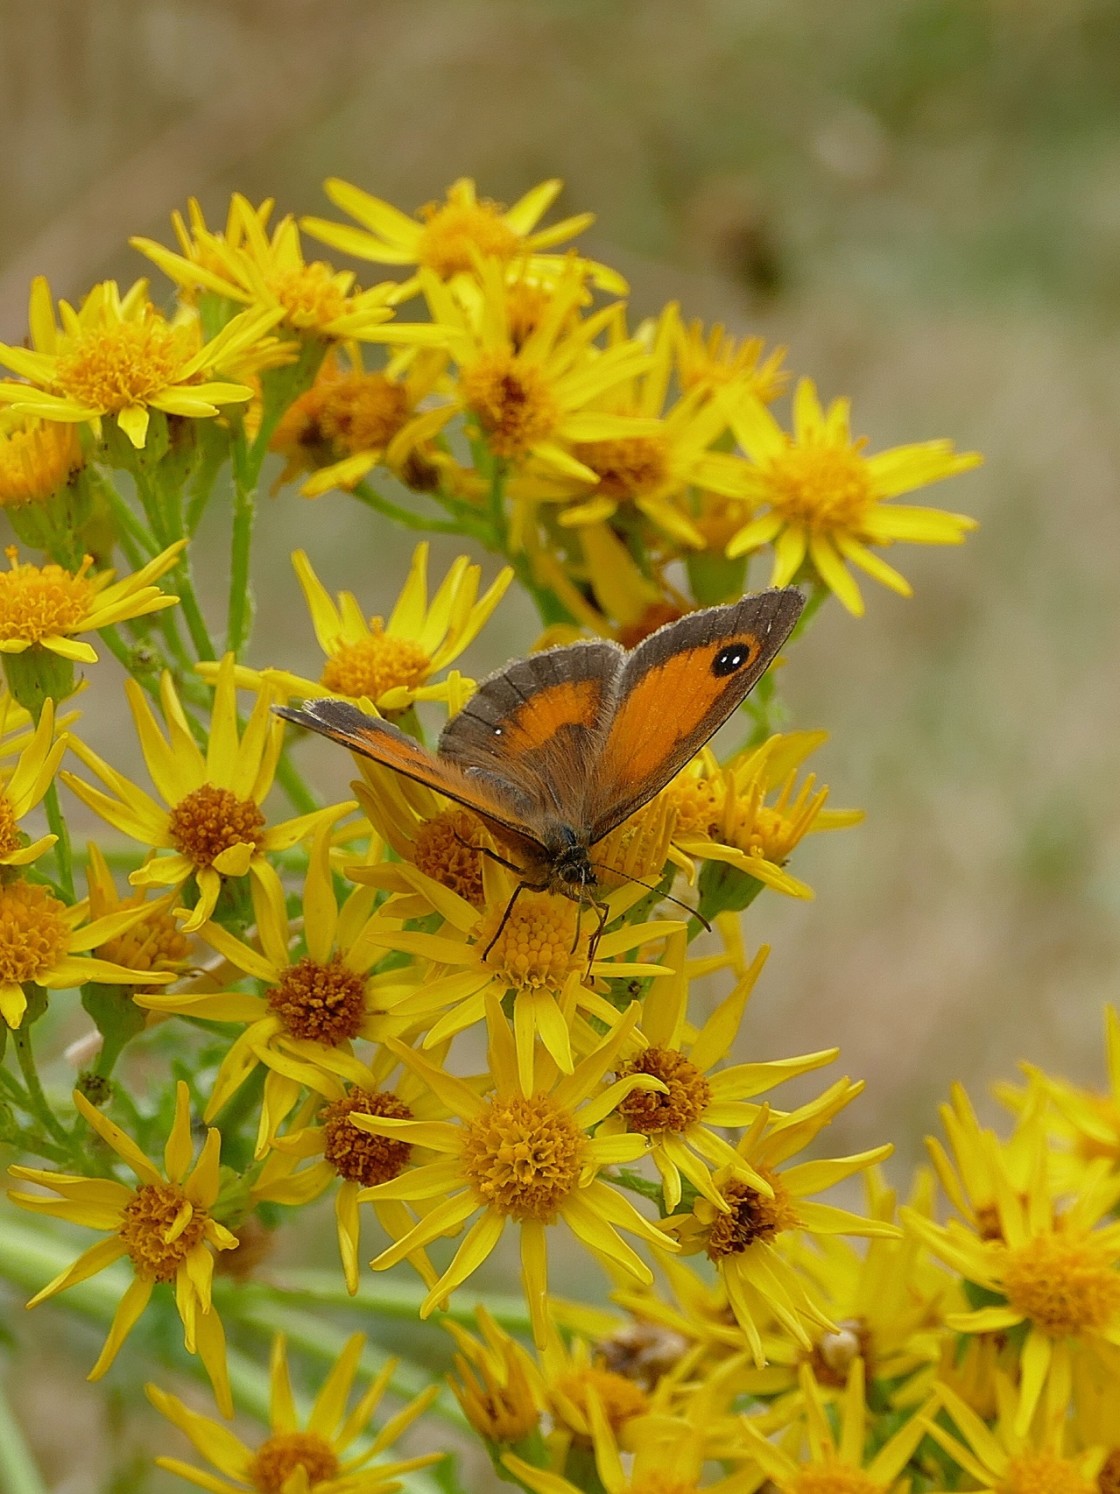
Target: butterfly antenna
{"points": [[668, 896]]}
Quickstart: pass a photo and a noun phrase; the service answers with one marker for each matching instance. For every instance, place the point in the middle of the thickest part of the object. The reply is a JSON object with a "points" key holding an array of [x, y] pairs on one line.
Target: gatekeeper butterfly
{"points": [[556, 750]]}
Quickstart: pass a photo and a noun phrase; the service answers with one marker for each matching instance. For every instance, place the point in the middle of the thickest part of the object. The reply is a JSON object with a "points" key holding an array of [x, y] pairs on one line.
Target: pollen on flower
{"points": [[33, 931], [526, 304], [379, 662], [620, 1399], [319, 1003], [445, 849], [211, 820], [523, 1156], [832, 1478], [538, 947], [112, 367], [715, 359], [310, 294], [1045, 1473], [1065, 1283], [454, 232], [698, 802], [275, 1464], [689, 1093], [362, 411], [820, 487], [9, 826], [512, 401], [638, 848], [751, 1217], [159, 1228], [36, 459], [772, 831], [39, 602], [628, 467], [356, 1155], [155, 943]]}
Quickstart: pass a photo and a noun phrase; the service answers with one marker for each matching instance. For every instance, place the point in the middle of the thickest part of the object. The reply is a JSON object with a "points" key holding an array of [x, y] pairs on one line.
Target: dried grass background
{"points": [[922, 199]]}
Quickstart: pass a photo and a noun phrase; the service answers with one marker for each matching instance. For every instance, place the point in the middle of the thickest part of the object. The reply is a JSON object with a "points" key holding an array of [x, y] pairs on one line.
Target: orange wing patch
{"points": [[546, 715]]}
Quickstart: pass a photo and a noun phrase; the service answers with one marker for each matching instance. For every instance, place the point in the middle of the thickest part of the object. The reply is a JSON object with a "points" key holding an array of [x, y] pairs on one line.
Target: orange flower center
{"points": [[362, 412], [620, 1399], [36, 460], [320, 1003], [311, 295], [111, 368], [212, 820], [1065, 1283], [511, 400], [278, 1458], [689, 1094], [523, 1156], [159, 1228], [39, 602], [379, 662], [832, 1478], [539, 946], [9, 826], [1108, 1479], [752, 1216], [820, 487], [629, 467], [155, 943], [359, 1156], [444, 848], [33, 931], [1044, 1473], [454, 229]]}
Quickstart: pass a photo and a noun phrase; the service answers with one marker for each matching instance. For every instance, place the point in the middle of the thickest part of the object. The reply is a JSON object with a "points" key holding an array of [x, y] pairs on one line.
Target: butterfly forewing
{"points": [[676, 689]]}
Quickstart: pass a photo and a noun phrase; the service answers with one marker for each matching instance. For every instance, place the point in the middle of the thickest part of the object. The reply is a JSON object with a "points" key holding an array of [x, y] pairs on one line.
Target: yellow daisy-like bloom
{"points": [[524, 1158], [448, 238], [679, 1121], [322, 1135], [156, 942], [44, 942], [836, 1463], [536, 945], [761, 1202], [211, 824], [43, 606], [711, 359], [1050, 1263], [685, 1326], [118, 356], [164, 1227], [532, 399], [249, 265], [1010, 1457], [493, 1382], [37, 457], [653, 473], [298, 1457], [723, 814], [23, 786], [315, 1004], [339, 429], [389, 663], [823, 503]]}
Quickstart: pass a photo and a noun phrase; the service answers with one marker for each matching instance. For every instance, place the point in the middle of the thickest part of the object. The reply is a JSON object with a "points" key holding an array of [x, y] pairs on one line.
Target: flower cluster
{"points": [[374, 999]]}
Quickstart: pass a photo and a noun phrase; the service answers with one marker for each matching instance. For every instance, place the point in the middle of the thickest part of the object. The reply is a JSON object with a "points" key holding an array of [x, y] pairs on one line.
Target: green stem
{"points": [[62, 849], [239, 620], [37, 1100], [18, 1473], [291, 781], [134, 538], [495, 500], [389, 510]]}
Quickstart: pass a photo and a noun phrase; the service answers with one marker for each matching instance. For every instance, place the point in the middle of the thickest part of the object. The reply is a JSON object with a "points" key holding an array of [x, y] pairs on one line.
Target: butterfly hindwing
{"points": [[676, 689]]}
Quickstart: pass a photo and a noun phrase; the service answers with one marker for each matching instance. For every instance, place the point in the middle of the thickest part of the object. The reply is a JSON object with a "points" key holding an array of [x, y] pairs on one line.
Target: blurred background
{"points": [[921, 199]]}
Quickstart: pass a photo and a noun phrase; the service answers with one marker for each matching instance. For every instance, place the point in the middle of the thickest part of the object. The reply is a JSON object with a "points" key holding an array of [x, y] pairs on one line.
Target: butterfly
{"points": [[555, 751]]}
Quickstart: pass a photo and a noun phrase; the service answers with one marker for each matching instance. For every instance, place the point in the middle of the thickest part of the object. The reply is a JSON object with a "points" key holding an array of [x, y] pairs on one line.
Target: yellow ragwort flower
{"points": [[267, 271], [23, 786], [118, 356], [299, 1457], [211, 824], [164, 1227], [512, 1157], [823, 504], [37, 457], [448, 238], [43, 606]]}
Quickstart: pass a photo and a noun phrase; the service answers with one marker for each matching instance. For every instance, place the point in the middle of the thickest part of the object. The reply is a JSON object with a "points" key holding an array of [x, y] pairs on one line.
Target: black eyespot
{"points": [[731, 659]]}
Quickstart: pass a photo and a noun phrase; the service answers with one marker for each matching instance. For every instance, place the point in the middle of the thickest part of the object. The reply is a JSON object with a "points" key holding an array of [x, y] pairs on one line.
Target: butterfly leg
{"points": [[517, 891], [486, 851]]}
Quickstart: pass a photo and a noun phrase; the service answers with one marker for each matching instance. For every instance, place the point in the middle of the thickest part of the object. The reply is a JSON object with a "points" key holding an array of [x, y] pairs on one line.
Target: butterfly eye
{"points": [[732, 658]]}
